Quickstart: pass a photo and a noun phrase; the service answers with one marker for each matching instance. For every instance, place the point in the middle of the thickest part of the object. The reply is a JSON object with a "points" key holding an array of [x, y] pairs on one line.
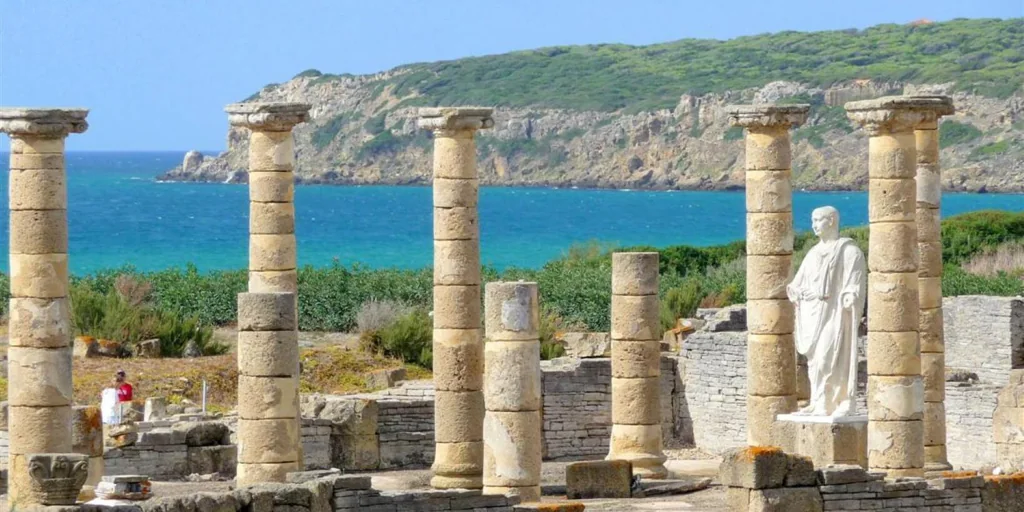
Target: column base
{"points": [[648, 466], [827, 440], [901, 473], [457, 482], [526, 494]]}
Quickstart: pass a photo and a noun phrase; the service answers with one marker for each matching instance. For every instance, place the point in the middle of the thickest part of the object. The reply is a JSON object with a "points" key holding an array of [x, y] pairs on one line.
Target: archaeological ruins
{"points": [[938, 383]]}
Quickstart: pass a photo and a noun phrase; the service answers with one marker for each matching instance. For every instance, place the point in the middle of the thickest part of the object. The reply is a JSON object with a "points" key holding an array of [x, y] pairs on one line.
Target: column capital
{"points": [[890, 114], [768, 116], [271, 117], [42, 122], [932, 113], [455, 118]]}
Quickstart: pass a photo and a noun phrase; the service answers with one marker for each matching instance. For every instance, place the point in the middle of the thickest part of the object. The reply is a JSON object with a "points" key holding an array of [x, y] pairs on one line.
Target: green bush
{"points": [[990, 149], [954, 132], [409, 338], [967, 234], [957, 281]]}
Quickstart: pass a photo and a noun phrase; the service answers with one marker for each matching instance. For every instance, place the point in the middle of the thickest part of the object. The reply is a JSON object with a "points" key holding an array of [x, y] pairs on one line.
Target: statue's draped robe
{"points": [[826, 333]]}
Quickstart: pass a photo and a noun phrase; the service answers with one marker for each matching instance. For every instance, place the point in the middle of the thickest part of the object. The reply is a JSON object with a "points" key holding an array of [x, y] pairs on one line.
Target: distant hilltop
{"points": [[654, 116]]}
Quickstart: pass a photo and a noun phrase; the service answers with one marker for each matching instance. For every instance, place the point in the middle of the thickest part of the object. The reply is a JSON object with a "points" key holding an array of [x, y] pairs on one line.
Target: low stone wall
{"points": [[769, 480], [405, 432], [577, 401], [320, 493], [711, 409]]}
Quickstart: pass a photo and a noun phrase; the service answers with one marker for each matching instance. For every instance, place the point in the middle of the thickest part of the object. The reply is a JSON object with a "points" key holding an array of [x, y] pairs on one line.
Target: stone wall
{"points": [[984, 335], [711, 410], [969, 441], [760, 479], [577, 405]]}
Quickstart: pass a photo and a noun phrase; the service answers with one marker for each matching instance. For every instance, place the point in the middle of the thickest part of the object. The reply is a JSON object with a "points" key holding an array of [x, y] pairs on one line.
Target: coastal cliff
{"points": [[639, 133]]}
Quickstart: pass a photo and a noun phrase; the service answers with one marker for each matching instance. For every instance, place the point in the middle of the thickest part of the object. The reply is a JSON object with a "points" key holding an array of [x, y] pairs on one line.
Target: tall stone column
{"points": [[636, 364], [929, 283], [39, 352], [458, 351], [771, 351], [268, 388], [273, 260], [895, 386], [512, 424]]}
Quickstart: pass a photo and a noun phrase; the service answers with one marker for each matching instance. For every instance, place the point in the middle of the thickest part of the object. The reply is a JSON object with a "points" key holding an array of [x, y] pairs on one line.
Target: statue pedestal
{"points": [[827, 440]]}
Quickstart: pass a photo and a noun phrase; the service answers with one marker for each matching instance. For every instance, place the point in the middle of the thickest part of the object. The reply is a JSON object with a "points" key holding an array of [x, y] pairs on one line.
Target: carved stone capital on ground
{"points": [[768, 116], [270, 117], [42, 122], [57, 477], [453, 119], [891, 114]]}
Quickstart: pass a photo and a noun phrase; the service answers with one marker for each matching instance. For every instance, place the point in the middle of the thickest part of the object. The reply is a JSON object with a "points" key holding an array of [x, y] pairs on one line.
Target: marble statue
{"points": [[829, 292]]}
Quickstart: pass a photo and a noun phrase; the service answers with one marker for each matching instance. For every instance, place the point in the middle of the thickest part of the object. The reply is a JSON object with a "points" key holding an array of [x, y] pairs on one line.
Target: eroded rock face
{"points": [[689, 146], [193, 160]]}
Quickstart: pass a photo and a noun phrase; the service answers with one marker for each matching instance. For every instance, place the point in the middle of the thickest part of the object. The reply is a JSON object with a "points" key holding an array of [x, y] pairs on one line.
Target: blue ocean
{"points": [[120, 215]]}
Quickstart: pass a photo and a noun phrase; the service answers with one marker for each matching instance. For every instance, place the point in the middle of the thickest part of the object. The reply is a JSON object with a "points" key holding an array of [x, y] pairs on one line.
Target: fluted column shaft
{"points": [[458, 350], [272, 269], [39, 327], [895, 385], [929, 244], [636, 364], [771, 350], [512, 422]]}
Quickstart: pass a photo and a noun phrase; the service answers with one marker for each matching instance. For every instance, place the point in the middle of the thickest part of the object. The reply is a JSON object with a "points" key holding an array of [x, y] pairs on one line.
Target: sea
{"points": [[119, 214]]}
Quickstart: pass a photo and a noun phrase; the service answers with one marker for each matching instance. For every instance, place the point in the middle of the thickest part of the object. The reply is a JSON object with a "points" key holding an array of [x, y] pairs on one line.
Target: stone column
{"points": [[929, 283], [636, 364], [273, 260], [268, 388], [39, 387], [512, 424], [895, 386], [458, 351], [771, 351]]}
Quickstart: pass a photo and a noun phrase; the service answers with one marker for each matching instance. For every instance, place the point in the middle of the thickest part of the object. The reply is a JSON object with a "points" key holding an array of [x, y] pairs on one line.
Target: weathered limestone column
{"points": [[268, 388], [929, 283], [771, 351], [39, 387], [458, 351], [512, 424], [636, 364], [895, 386], [272, 258]]}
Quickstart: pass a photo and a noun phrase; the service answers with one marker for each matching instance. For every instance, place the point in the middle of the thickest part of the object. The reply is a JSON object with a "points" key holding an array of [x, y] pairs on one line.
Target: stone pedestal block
{"points": [[827, 440]]}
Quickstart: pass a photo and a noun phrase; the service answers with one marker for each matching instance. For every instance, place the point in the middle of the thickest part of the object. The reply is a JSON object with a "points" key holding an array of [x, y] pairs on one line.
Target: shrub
{"points": [[409, 338], [957, 281], [954, 132], [374, 314], [175, 333], [990, 149]]}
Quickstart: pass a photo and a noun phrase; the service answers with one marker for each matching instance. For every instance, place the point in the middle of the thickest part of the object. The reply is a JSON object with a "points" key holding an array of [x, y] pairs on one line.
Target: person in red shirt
{"points": [[124, 389]]}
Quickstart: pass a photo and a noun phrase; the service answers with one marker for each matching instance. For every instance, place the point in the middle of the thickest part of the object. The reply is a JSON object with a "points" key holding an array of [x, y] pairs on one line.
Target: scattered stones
{"points": [[124, 487], [85, 347], [191, 350], [385, 378], [728, 319]]}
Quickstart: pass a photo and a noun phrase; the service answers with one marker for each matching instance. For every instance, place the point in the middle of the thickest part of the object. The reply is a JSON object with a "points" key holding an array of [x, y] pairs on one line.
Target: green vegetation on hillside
{"points": [[954, 132], [982, 55]]}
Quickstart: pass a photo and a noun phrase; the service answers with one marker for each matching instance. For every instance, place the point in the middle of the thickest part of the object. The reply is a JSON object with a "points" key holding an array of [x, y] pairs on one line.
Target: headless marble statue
{"points": [[829, 292]]}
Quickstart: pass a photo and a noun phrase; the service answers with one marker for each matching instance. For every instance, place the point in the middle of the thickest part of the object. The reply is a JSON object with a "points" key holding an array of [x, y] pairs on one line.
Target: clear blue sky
{"points": [[157, 73]]}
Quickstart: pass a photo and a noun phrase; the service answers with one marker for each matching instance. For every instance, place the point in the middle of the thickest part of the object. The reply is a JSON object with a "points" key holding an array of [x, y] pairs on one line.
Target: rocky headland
{"points": [[363, 130]]}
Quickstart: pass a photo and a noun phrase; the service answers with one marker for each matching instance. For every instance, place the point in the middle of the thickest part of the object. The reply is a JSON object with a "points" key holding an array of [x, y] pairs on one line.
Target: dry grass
{"points": [[1008, 258], [334, 370]]}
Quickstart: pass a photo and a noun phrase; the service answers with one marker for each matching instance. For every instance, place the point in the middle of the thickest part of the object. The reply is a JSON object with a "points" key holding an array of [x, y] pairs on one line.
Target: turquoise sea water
{"points": [[118, 214]]}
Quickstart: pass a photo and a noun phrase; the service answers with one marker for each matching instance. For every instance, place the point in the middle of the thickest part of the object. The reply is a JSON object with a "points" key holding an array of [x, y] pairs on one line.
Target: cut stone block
{"points": [[598, 479], [754, 467], [789, 499]]}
